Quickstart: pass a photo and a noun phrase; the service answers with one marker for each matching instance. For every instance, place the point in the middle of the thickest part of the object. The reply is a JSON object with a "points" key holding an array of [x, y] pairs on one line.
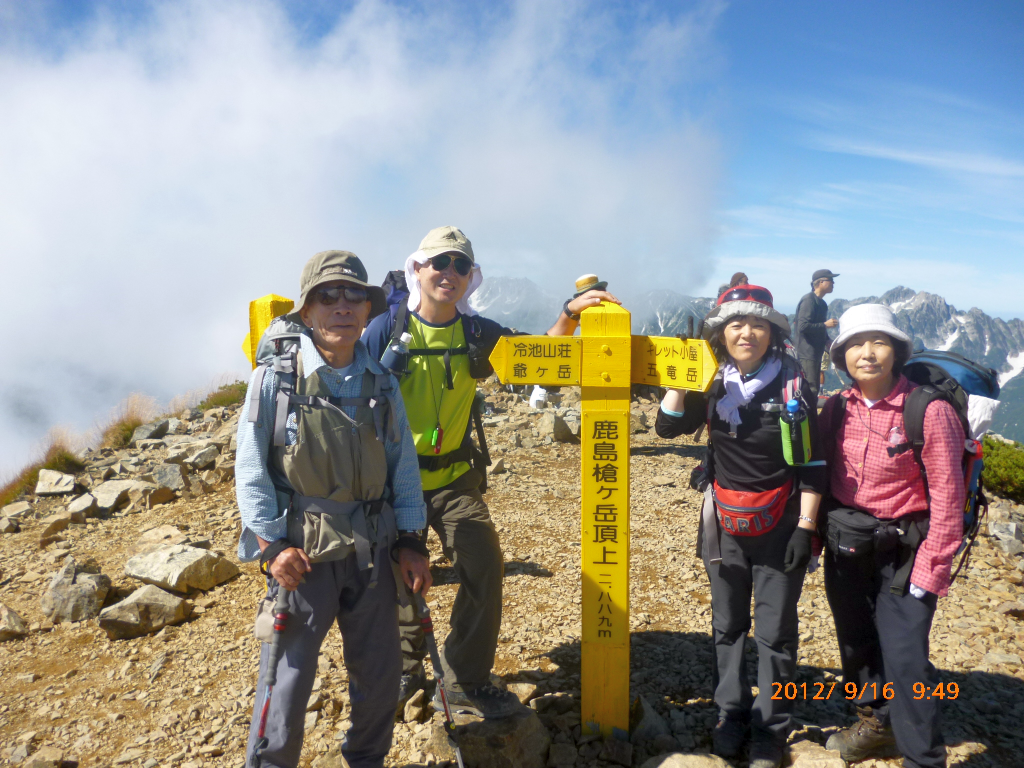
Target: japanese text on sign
{"points": [[606, 526]]}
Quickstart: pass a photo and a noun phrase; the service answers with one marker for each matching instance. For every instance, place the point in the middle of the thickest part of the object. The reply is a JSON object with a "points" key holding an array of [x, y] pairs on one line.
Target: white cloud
{"points": [[161, 173]]}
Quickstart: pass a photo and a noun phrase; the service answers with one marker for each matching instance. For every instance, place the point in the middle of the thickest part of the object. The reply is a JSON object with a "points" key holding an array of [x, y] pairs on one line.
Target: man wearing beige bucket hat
{"points": [[449, 349]]}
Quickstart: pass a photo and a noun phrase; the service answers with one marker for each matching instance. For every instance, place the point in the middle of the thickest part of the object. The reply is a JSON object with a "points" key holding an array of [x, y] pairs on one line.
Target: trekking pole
{"points": [[435, 659], [280, 622]]}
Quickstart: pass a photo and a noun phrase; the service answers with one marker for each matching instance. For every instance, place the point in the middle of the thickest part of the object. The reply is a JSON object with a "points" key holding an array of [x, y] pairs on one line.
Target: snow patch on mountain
{"points": [[1016, 363]]}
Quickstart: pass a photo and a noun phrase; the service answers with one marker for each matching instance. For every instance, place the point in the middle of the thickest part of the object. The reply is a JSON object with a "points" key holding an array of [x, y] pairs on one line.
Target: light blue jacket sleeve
{"points": [[404, 471], [254, 490]]}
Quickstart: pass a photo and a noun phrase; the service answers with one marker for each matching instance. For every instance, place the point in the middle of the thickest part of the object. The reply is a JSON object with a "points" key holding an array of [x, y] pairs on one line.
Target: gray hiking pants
{"points": [[755, 563], [458, 514], [812, 371], [368, 622]]}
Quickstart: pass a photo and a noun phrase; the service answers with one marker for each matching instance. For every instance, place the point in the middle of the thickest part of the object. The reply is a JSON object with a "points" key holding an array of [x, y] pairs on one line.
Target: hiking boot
{"points": [[868, 737], [765, 753], [410, 683], [484, 701], [728, 736]]}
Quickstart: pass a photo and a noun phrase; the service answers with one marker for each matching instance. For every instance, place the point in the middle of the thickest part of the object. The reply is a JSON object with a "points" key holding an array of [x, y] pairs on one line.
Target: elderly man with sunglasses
{"points": [[329, 493], [448, 353]]}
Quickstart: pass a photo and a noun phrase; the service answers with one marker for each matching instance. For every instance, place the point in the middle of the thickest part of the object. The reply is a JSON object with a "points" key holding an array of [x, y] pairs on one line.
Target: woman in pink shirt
{"points": [[882, 592]]}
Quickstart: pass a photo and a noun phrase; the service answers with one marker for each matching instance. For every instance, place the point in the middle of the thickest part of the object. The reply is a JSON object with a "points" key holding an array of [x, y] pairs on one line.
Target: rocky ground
{"points": [[183, 694]]}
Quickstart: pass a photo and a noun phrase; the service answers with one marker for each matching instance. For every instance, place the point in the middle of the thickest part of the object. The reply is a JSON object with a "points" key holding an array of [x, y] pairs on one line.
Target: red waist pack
{"points": [[751, 513]]}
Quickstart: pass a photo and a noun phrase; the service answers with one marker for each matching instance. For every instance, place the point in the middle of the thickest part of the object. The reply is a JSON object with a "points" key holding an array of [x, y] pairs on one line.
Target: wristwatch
{"points": [[570, 315]]}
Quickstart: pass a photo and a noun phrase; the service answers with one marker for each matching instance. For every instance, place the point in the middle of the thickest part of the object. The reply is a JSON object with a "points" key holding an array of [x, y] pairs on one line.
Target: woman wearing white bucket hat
{"points": [[760, 539], [883, 595]]}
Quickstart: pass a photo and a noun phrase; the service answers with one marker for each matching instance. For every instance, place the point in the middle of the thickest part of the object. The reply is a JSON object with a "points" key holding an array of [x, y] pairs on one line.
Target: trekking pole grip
{"points": [[280, 622]]}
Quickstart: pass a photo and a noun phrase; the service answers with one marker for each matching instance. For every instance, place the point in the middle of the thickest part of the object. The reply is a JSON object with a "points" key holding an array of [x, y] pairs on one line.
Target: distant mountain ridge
{"points": [[993, 342]]}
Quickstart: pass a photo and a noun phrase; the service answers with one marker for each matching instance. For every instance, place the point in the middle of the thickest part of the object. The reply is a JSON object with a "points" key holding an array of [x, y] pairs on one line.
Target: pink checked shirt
{"points": [[863, 475]]}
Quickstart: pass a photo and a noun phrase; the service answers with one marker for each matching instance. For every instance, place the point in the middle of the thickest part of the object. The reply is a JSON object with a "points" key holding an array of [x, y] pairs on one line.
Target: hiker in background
{"points": [[766, 507], [447, 354], [318, 474], [810, 329], [738, 278], [882, 597]]}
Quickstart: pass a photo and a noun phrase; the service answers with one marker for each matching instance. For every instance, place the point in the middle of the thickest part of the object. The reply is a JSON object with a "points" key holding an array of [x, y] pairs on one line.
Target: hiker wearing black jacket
{"points": [[811, 327], [758, 518]]}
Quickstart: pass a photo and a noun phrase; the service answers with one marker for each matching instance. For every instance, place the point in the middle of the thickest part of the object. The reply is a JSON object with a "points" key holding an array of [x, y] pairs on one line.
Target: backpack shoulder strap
{"points": [[401, 320], [793, 381]]}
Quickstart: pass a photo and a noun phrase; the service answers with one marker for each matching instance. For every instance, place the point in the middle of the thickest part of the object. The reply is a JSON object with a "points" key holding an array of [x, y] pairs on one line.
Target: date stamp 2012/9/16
{"points": [[823, 691]]}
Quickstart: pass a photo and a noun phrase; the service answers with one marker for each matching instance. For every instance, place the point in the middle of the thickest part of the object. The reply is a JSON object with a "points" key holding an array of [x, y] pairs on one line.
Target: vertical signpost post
{"points": [[605, 360]]}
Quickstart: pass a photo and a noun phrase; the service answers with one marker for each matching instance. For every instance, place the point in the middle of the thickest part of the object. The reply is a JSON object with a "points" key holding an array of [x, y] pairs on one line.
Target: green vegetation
{"points": [[228, 394], [58, 457], [134, 411], [1004, 469]]}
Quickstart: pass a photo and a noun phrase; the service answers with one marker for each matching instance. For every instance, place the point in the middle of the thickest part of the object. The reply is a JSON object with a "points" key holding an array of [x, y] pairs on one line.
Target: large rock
{"points": [[170, 476], [146, 495], [807, 754], [1003, 531], [146, 610], [181, 568], [84, 504], [56, 523], [158, 538], [520, 741], [16, 510], [152, 431], [53, 483], [75, 593], [8, 526], [555, 426], [679, 760], [203, 458], [112, 494], [46, 757], [645, 723], [11, 624]]}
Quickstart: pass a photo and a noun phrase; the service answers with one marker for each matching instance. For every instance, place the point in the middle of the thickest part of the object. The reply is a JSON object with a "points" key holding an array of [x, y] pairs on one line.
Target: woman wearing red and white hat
{"points": [[759, 514], [883, 594]]}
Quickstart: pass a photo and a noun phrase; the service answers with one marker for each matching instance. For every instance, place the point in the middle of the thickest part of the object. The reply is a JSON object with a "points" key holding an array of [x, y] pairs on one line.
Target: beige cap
{"points": [[586, 283], [446, 240]]}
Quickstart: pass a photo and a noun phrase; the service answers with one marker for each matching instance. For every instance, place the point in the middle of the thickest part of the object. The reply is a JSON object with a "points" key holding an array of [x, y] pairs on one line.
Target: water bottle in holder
{"points": [[796, 434], [396, 356]]}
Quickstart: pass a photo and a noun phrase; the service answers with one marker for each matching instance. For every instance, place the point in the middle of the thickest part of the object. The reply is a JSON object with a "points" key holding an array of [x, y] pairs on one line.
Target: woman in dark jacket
{"points": [[759, 514]]}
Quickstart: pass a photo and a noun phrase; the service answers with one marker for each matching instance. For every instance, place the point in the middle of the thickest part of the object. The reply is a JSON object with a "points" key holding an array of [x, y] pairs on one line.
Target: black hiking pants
{"points": [[754, 564], [883, 638]]}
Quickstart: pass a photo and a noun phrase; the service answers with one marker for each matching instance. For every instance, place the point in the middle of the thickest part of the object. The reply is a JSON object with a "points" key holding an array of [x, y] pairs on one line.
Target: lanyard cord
{"points": [[867, 426], [435, 401]]}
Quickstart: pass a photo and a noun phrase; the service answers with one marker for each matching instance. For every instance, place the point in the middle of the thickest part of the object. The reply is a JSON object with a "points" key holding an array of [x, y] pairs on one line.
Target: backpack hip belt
{"points": [[330, 530]]}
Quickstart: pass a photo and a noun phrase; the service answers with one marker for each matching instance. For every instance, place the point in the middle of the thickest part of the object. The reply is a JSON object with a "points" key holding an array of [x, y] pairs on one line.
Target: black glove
{"points": [[798, 550]]}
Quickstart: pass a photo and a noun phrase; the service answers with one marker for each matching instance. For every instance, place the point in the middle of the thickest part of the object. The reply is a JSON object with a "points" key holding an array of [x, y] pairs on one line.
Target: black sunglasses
{"points": [[759, 295], [441, 261], [353, 294]]}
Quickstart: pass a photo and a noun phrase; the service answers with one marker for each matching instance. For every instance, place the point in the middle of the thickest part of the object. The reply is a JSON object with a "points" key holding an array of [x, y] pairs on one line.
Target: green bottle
{"points": [[796, 434]]}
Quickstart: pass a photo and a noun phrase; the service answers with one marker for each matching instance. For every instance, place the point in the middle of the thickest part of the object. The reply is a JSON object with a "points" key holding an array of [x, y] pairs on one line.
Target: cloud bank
{"points": [[160, 171]]}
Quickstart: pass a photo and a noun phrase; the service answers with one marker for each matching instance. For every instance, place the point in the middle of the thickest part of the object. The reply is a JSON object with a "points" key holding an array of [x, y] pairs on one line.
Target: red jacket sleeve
{"points": [[942, 455]]}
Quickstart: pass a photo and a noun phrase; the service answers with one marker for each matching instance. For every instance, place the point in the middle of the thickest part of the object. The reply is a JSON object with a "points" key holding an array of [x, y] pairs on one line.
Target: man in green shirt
{"points": [[449, 350]]}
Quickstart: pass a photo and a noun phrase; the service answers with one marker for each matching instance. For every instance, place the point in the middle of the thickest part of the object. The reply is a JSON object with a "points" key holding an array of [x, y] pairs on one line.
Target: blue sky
{"points": [[165, 162], [881, 140]]}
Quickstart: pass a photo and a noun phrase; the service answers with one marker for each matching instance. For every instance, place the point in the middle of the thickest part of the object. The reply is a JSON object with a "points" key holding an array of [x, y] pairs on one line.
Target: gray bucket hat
{"points": [[447, 240], [328, 266]]}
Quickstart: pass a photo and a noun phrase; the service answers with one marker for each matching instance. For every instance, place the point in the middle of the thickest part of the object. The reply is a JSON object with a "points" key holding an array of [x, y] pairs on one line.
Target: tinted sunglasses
{"points": [[353, 294], [760, 295], [441, 261]]}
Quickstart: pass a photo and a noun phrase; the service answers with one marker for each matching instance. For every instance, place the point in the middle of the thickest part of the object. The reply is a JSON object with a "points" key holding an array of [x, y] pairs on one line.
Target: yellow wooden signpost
{"points": [[605, 360], [261, 312]]}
